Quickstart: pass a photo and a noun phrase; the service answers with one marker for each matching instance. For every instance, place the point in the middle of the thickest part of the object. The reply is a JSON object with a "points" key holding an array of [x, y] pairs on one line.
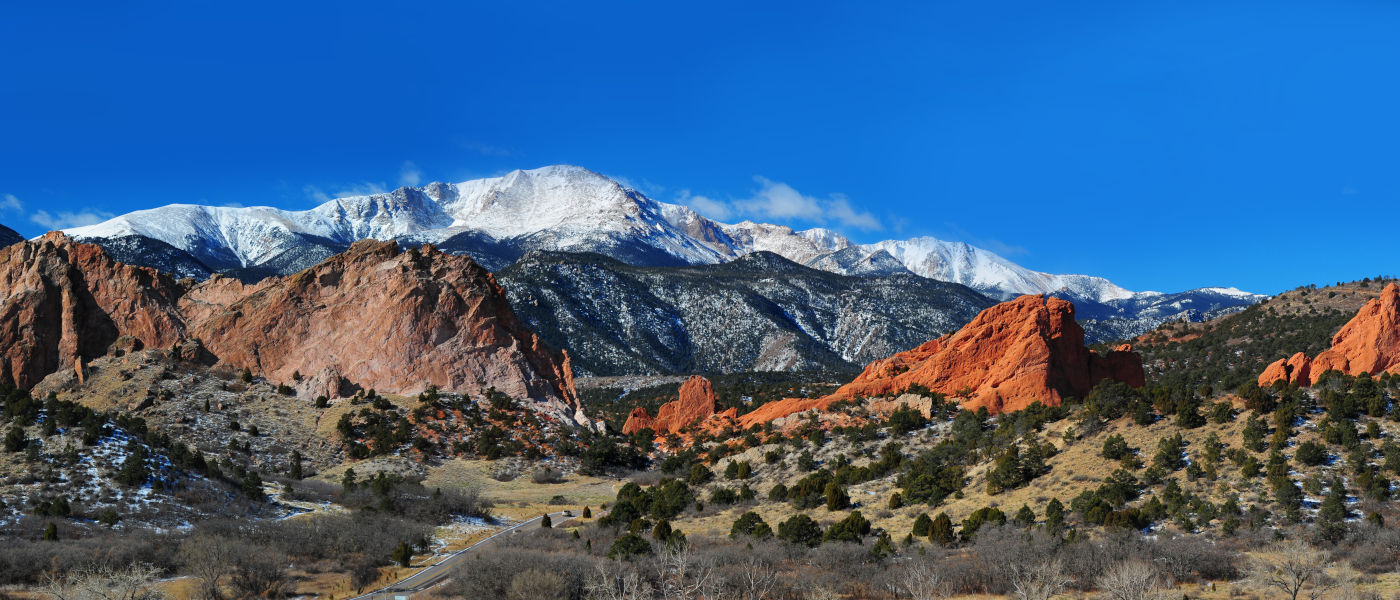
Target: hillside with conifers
{"points": [[1229, 351]]}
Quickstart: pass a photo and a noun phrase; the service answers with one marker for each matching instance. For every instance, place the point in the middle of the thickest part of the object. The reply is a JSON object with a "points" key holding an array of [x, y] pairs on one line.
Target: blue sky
{"points": [[1164, 145]]}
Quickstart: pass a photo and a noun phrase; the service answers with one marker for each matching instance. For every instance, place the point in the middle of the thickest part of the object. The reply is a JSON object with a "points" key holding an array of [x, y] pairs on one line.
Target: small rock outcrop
{"points": [[1368, 343], [695, 404], [63, 303], [1012, 355], [1294, 369]]}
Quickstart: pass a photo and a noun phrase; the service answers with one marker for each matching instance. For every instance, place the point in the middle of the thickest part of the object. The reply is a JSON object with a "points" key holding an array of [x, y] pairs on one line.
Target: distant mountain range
{"points": [[759, 312], [567, 209]]}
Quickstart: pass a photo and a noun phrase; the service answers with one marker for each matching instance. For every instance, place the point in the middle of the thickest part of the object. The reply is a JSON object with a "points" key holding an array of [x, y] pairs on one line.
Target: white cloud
{"points": [[9, 202], [778, 201], [409, 174], [840, 209], [320, 196], [714, 209], [315, 194], [66, 219]]}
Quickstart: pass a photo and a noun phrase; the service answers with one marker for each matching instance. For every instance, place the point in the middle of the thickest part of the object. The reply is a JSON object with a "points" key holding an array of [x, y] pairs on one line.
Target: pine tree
{"points": [[942, 530], [836, 498], [402, 555], [1332, 515], [1054, 515], [923, 525], [295, 471]]}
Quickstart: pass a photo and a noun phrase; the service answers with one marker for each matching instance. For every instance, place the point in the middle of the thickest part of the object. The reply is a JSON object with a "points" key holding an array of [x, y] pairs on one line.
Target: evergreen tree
{"points": [[800, 529], [1054, 515], [1332, 515], [15, 440], [923, 526], [295, 471], [1025, 517], [941, 532], [836, 498], [402, 555]]}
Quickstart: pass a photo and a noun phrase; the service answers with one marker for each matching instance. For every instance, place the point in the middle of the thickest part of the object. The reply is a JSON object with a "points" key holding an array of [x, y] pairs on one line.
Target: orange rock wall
{"points": [[1013, 354], [1368, 343]]}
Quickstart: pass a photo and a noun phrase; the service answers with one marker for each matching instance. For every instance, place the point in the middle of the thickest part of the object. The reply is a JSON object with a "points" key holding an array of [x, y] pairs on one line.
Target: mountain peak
{"points": [[565, 208]]}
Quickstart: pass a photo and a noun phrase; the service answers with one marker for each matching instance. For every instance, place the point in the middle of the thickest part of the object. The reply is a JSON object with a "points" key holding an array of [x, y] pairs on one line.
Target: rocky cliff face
{"points": [[1368, 343], [396, 322], [1012, 355], [373, 317], [63, 303], [696, 404]]}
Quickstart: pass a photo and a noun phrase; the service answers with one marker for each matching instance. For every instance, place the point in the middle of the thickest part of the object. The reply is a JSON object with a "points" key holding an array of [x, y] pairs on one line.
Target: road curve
{"points": [[437, 573]]}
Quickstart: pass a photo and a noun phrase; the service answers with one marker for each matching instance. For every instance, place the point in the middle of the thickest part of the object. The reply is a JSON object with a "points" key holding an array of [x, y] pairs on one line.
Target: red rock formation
{"points": [[63, 303], [696, 403], [372, 316], [1368, 343], [1294, 369], [1013, 354], [390, 321]]}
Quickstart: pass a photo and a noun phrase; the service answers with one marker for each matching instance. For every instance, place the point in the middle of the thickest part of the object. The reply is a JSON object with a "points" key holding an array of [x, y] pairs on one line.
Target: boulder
{"points": [[1294, 369]]}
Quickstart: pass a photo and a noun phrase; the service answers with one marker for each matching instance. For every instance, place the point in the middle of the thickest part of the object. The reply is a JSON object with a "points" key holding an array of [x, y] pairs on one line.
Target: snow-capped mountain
{"points": [[562, 208], [497, 220]]}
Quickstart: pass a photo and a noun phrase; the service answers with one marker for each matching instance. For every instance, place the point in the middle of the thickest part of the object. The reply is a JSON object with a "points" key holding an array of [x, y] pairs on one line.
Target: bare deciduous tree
{"points": [[1040, 580], [538, 584], [923, 580], [758, 579], [100, 582], [685, 576], [208, 559], [1293, 567], [1130, 580], [614, 582], [258, 573], [1346, 579]]}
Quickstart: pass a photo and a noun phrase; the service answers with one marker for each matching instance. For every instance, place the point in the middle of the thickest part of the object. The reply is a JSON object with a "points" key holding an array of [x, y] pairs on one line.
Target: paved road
{"points": [[438, 573]]}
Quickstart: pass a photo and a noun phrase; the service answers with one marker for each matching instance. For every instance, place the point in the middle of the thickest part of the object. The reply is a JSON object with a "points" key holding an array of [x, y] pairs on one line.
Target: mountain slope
{"points": [[759, 313], [571, 209], [9, 236]]}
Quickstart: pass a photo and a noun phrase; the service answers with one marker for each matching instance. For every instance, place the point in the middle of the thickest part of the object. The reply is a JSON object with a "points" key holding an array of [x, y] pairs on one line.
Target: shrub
{"points": [[800, 529], [850, 529], [547, 474], [752, 525], [629, 546], [1115, 447], [1311, 453]]}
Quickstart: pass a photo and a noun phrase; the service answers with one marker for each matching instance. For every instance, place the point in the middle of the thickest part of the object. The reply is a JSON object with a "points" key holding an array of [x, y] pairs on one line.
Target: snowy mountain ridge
{"points": [[570, 209]]}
